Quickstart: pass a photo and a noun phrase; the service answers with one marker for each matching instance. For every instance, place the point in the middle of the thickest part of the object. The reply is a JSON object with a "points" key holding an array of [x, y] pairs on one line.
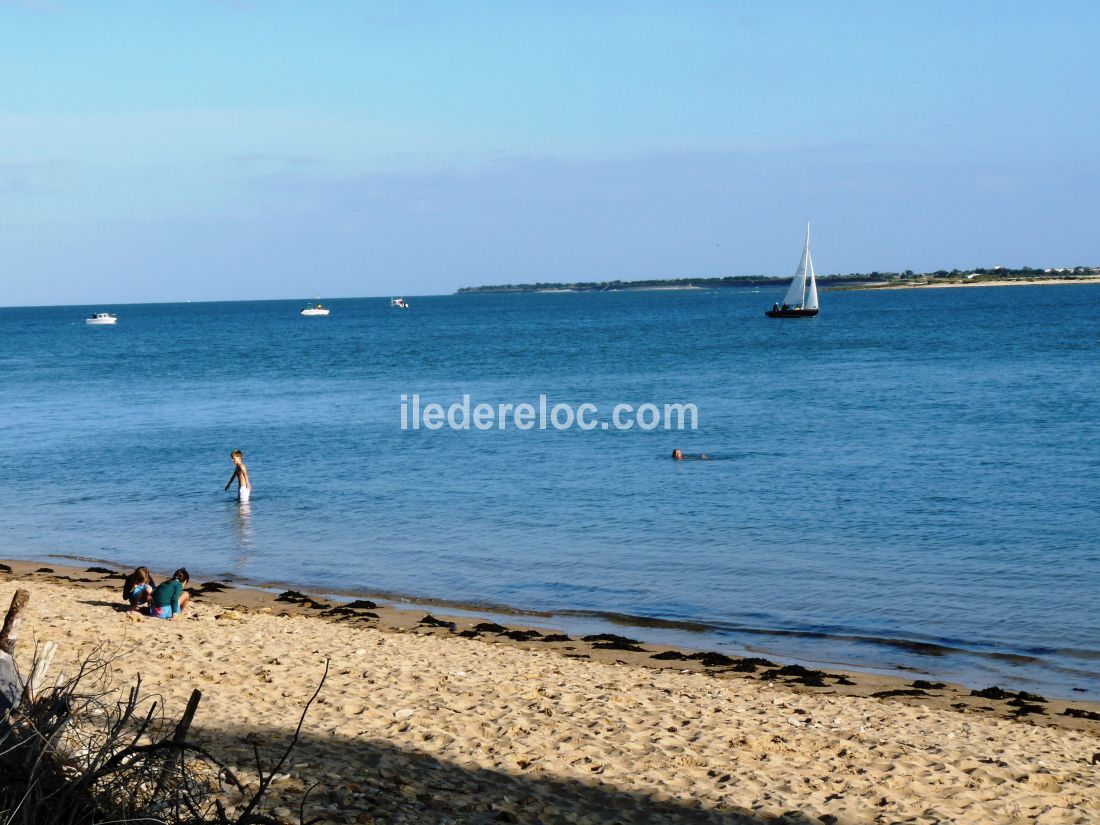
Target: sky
{"points": [[201, 150]]}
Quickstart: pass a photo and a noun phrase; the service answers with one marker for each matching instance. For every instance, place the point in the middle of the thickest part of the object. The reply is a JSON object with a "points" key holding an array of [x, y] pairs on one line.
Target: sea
{"points": [[906, 483]]}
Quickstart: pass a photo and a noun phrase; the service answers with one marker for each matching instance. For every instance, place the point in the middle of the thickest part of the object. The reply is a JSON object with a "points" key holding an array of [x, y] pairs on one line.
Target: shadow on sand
{"points": [[383, 783]]}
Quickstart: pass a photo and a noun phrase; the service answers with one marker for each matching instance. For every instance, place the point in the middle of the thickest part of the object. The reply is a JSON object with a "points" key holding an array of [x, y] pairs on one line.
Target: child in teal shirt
{"points": [[170, 599]]}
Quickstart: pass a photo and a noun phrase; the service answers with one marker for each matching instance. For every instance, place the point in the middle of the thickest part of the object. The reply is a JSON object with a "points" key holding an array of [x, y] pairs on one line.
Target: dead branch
{"points": [[10, 632]]}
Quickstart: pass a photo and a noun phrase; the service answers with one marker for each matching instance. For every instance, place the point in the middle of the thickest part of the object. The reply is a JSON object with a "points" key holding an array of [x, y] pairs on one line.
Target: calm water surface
{"points": [[908, 480]]}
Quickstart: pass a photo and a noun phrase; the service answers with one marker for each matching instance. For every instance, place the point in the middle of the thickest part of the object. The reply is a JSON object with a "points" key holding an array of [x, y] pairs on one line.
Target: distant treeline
{"points": [[851, 279]]}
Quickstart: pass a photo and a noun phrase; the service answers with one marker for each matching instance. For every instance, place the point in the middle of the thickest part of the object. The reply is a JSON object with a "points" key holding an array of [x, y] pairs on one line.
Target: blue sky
{"points": [[222, 150]]}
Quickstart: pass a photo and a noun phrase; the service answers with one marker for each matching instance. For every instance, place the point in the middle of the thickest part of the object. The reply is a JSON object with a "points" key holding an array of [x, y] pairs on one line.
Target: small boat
{"points": [[315, 309], [801, 298], [398, 303], [101, 318]]}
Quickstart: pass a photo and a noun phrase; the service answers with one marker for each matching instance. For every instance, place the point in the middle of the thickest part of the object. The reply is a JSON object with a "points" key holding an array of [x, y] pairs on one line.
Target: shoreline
{"points": [[424, 721], [447, 619], [973, 667], [965, 284]]}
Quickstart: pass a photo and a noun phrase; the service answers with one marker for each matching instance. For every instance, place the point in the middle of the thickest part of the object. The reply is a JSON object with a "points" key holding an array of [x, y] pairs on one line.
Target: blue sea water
{"points": [[909, 480]]}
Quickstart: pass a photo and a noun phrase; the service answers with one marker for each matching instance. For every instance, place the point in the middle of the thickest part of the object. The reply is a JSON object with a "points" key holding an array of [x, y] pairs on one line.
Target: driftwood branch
{"points": [[179, 737], [82, 752], [11, 685], [41, 667], [10, 633]]}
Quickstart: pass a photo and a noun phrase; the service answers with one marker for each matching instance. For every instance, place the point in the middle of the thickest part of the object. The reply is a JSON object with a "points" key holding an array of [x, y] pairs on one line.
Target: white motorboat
{"points": [[398, 303], [101, 318], [315, 309]]}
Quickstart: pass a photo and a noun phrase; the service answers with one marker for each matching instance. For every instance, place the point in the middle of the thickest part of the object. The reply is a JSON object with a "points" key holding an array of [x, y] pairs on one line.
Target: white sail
{"points": [[811, 289], [796, 292]]}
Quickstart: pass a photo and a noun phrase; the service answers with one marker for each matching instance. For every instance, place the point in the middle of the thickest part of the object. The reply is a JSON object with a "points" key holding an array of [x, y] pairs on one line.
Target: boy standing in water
{"points": [[240, 474]]}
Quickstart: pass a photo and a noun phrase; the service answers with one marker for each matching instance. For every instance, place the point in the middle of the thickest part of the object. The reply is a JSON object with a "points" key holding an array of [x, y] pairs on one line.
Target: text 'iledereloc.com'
{"points": [[542, 415]]}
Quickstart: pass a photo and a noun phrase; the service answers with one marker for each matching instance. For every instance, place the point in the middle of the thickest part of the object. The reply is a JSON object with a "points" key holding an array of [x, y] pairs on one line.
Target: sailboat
{"points": [[801, 298]]}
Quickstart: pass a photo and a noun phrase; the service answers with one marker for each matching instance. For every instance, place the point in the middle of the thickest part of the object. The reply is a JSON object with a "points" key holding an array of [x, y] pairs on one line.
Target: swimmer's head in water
{"points": [[677, 455]]}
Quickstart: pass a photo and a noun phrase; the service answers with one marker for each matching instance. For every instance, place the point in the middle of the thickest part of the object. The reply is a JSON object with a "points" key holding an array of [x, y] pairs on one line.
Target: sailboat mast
{"points": [[806, 254]]}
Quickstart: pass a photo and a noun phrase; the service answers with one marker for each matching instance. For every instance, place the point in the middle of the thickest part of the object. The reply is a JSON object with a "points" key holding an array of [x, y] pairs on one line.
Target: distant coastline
{"points": [[995, 276], [889, 285], [662, 285]]}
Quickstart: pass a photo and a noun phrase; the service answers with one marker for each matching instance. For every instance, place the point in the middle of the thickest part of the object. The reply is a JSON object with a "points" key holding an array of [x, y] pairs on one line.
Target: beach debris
{"points": [[5, 568], [1023, 708], [992, 693], [669, 656], [555, 637], [44, 570], [1030, 697], [751, 663], [490, 627], [104, 570], [1016, 699], [886, 694], [469, 634], [214, 587], [923, 685], [229, 616], [610, 637], [74, 753], [627, 646], [403, 713], [292, 596], [11, 683], [1081, 713], [796, 674], [521, 635], [712, 659], [431, 621], [347, 612], [362, 604]]}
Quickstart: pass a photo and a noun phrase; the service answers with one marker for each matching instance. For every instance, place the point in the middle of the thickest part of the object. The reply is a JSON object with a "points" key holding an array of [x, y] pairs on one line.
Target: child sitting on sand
{"points": [[138, 589], [170, 600], [240, 473]]}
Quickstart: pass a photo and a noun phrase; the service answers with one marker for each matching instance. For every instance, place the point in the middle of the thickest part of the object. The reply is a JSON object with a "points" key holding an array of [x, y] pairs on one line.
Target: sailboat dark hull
{"points": [[790, 313]]}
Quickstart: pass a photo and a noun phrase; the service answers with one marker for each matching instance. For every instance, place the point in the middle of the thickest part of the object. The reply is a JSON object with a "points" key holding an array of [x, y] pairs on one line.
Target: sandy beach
{"points": [[440, 722], [970, 284]]}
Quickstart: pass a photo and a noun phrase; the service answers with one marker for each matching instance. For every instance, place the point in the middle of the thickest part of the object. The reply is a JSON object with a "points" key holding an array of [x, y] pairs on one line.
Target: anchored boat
{"points": [[315, 309], [801, 298]]}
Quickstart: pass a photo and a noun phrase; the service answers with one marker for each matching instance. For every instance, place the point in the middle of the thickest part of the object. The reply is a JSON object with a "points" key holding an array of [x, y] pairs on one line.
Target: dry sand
{"points": [[417, 724], [953, 284]]}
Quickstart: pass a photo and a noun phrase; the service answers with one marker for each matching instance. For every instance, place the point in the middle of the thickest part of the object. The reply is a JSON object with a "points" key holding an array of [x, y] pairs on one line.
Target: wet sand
{"points": [[426, 718]]}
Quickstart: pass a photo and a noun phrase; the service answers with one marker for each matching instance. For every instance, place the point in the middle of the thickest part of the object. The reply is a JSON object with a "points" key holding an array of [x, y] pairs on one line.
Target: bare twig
{"points": [[246, 816]]}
